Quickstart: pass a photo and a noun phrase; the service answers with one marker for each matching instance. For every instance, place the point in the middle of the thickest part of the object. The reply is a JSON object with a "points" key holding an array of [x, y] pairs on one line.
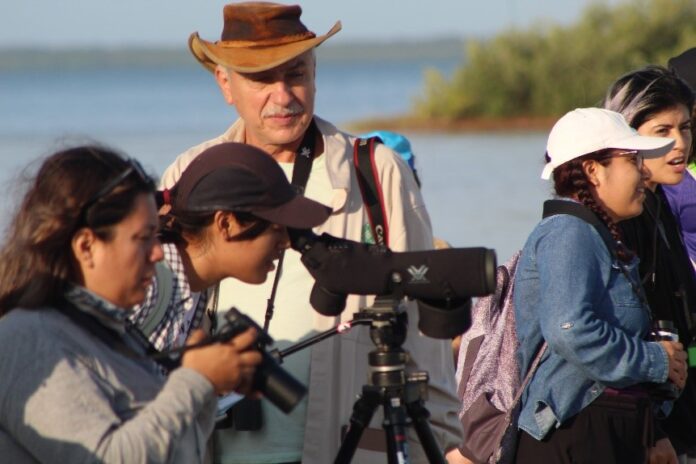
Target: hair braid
{"points": [[571, 180]]}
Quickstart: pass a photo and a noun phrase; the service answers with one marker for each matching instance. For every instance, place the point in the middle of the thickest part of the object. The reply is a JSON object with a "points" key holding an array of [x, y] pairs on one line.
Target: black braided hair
{"points": [[570, 180]]}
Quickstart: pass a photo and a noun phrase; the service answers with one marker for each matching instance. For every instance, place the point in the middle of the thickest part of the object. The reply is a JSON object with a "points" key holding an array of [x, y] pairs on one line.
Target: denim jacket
{"points": [[568, 291]]}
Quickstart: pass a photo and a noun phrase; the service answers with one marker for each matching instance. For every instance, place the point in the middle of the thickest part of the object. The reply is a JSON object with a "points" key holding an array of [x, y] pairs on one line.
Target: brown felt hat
{"points": [[257, 36]]}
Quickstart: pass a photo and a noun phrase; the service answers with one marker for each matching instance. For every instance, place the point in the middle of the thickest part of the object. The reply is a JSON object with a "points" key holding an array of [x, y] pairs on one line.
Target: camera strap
{"points": [[370, 188], [304, 158], [115, 340]]}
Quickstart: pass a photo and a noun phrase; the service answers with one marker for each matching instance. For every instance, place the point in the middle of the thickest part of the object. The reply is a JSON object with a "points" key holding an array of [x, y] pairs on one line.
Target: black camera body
{"points": [[276, 384]]}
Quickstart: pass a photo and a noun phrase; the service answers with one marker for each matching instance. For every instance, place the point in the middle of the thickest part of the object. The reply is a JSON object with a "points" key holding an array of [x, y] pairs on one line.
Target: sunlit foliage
{"points": [[547, 70]]}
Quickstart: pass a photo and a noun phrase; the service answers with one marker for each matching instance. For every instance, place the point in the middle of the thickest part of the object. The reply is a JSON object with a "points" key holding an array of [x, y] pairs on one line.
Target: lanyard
{"points": [[304, 157]]}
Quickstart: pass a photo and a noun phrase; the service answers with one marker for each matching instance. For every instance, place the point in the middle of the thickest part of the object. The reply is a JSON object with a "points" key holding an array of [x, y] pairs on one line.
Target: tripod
{"points": [[402, 397]]}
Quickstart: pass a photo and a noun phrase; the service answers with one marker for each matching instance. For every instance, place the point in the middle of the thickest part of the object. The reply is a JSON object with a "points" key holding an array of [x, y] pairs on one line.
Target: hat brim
{"points": [[298, 213], [246, 59], [646, 146]]}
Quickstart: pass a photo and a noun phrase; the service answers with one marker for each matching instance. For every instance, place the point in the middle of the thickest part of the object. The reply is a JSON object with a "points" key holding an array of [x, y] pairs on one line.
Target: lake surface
{"points": [[481, 189]]}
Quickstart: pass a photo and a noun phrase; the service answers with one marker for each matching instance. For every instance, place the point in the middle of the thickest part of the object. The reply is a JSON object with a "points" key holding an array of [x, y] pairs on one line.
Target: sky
{"points": [[115, 23]]}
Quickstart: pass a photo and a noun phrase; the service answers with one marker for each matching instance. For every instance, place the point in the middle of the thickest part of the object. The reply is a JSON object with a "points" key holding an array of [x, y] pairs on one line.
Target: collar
{"points": [[112, 316], [338, 163], [172, 258]]}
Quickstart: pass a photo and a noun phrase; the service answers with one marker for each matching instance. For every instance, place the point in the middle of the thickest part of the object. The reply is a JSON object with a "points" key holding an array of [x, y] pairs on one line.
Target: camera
{"points": [[276, 384]]}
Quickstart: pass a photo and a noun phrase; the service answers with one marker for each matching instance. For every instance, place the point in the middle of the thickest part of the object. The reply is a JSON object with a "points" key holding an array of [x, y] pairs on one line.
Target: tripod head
{"points": [[388, 327], [401, 395]]}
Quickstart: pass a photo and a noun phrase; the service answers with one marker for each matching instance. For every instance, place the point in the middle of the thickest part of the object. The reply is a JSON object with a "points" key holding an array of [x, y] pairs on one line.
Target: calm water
{"points": [[481, 190]]}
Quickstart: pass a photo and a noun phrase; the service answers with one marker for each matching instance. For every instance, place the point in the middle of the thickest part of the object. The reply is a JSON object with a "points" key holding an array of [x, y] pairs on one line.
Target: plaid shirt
{"points": [[184, 311]]}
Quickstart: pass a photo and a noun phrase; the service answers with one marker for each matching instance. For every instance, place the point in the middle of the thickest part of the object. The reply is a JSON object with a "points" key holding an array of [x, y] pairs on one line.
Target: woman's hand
{"points": [[227, 365], [662, 453], [454, 456], [677, 362]]}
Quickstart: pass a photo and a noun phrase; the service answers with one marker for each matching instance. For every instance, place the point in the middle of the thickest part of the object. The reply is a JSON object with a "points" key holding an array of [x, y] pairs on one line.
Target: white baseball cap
{"points": [[587, 130]]}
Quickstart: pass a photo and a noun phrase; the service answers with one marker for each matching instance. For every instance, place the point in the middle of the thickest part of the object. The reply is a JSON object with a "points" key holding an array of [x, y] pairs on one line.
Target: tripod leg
{"points": [[395, 426], [419, 415], [363, 410]]}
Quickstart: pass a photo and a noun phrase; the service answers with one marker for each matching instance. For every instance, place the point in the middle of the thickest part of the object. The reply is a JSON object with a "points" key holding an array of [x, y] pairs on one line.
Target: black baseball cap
{"points": [[240, 178]]}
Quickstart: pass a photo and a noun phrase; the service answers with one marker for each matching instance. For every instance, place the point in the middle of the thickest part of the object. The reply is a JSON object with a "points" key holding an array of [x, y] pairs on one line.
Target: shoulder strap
{"points": [[554, 207], [165, 278], [113, 339], [302, 168], [211, 309], [304, 158], [370, 188]]}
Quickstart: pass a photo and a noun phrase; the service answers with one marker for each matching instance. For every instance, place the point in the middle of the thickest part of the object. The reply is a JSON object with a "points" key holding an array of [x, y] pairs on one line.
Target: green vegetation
{"points": [[548, 70]]}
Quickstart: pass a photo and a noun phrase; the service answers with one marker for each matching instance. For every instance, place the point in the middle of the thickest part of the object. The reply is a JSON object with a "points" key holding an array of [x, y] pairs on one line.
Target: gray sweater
{"points": [[66, 397]]}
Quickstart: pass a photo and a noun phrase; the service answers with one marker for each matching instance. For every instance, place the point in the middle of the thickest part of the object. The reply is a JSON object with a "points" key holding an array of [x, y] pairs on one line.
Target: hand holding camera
{"points": [[229, 365]]}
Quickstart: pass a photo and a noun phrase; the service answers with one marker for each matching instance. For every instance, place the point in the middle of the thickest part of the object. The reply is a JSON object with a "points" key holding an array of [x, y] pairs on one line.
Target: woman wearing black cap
{"points": [[226, 217]]}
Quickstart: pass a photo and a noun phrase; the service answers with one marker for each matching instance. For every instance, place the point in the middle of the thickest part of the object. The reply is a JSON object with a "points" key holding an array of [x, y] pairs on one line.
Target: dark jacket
{"points": [[670, 288]]}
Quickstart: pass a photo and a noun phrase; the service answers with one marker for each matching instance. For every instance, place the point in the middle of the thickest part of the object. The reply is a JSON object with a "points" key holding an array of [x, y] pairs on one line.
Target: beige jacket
{"points": [[339, 364]]}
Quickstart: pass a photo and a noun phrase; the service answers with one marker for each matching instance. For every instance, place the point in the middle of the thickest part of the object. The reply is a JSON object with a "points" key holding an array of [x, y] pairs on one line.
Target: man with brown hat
{"points": [[264, 65]]}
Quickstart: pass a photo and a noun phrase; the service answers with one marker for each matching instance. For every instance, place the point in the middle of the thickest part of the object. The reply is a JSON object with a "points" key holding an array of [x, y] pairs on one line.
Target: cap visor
{"points": [[298, 213], [648, 147]]}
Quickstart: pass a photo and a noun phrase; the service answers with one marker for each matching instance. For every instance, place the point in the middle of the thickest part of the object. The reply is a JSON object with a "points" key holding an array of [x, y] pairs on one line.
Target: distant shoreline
{"points": [[365, 53], [409, 123]]}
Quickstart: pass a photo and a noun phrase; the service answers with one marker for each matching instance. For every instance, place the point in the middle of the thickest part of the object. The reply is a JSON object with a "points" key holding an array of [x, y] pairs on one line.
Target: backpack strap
{"points": [[370, 188], [165, 279], [554, 207]]}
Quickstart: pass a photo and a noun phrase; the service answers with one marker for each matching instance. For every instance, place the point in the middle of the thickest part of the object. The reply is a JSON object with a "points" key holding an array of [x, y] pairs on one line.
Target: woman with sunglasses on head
{"points": [[656, 102], [579, 307], [77, 382]]}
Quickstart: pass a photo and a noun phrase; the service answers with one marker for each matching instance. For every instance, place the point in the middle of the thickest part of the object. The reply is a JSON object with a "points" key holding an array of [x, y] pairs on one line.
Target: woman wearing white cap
{"points": [[577, 290]]}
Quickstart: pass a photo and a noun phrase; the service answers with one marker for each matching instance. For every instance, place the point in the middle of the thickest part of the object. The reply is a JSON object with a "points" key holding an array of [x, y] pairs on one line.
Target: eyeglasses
{"points": [[133, 167], [632, 155]]}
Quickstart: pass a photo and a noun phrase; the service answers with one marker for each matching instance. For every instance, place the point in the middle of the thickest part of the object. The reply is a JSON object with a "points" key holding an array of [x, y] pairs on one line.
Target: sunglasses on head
{"points": [[133, 167]]}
